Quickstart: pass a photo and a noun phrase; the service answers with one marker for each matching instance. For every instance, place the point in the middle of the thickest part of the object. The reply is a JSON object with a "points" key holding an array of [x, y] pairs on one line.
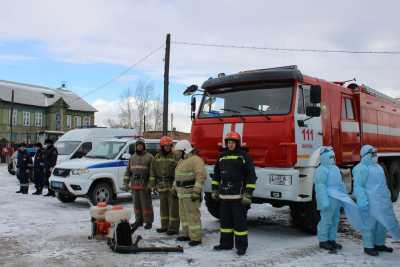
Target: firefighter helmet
{"points": [[234, 136], [166, 141], [184, 145]]}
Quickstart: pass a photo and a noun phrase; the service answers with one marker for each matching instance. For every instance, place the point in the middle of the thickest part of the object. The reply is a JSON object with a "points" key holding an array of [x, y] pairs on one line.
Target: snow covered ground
{"points": [[39, 231]]}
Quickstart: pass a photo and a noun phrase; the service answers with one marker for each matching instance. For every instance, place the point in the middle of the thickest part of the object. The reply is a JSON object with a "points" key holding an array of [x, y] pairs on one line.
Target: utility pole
{"points": [[166, 84], [144, 124], [11, 116]]}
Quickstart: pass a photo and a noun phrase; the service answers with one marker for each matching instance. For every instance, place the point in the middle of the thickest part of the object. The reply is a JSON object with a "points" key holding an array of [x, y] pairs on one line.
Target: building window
{"points": [[69, 121], [58, 121], [86, 121], [27, 118], [78, 122], [39, 119], [15, 117]]}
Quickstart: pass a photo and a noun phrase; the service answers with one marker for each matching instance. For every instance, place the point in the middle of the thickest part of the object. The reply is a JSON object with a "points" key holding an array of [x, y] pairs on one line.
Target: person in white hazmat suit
{"points": [[331, 195], [373, 199]]}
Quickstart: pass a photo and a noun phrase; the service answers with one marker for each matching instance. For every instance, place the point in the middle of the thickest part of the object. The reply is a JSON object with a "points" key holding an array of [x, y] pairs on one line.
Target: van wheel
{"points": [[65, 198], [394, 180], [305, 216], [212, 205], [101, 192]]}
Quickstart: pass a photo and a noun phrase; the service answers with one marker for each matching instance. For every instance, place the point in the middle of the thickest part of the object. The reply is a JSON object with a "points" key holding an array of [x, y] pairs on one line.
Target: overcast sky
{"points": [[88, 42]]}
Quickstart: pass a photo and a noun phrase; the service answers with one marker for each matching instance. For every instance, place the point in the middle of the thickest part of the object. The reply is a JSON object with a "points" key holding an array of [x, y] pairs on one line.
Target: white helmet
{"points": [[185, 146]]}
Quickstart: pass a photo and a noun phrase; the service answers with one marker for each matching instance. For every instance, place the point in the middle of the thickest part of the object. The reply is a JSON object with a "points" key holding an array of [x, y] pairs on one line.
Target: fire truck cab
{"points": [[284, 117]]}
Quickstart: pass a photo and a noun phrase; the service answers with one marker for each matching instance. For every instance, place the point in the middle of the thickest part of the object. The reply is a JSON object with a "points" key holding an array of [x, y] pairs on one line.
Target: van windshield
{"points": [[66, 147], [274, 100], [106, 150]]}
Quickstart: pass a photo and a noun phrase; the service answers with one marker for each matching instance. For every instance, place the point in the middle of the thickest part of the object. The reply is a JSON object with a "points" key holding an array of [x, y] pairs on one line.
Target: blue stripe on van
{"points": [[112, 164]]}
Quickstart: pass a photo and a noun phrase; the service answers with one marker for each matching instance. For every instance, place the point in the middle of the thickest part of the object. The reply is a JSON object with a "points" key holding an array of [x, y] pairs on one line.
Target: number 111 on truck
{"points": [[284, 117]]}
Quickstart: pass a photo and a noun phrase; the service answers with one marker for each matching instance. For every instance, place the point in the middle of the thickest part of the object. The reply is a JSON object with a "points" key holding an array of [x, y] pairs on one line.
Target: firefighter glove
{"points": [[196, 196], [173, 192], [215, 195], [246, 199]]}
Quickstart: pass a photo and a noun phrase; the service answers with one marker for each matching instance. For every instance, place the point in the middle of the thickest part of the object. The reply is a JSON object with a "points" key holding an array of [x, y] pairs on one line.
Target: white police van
{"points": [[99, 175]]}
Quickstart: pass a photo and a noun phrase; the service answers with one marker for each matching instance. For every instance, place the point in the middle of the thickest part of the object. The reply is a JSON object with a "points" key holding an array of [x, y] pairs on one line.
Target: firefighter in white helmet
{"points": [[190, 175]]}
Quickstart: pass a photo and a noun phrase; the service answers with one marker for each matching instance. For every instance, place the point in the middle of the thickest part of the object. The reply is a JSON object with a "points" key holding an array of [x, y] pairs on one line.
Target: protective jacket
{"points": [[38, 163], [50, 158], [190, 174], [162, 170], [138, 170], [234, 174], [24, 161]]}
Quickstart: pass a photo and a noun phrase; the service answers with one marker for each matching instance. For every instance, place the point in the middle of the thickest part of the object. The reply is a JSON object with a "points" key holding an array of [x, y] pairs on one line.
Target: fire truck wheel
{"points": [[305, 216], [394, 180], [212, 206], [65, 198]]}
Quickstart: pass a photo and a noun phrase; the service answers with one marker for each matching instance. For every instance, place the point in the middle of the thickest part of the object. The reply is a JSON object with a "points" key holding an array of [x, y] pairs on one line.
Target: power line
{"points": [[277, 49], [124, 72]]}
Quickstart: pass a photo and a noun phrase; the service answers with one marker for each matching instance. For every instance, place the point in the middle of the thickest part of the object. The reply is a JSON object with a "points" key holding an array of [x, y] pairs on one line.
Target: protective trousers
{"points": [[24, 181], [143, 206], [38, 177], [233, 219], [373, 234], [169, 211], [328, 225], [189, 212]]}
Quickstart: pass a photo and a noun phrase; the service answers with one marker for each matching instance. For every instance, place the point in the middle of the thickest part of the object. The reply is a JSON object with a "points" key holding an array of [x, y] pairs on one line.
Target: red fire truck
{"points": [[284, 117]]}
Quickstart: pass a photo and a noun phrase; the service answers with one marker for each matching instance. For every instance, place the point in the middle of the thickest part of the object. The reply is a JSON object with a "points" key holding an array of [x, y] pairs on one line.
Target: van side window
{"points": [[304, 99], [347, 109]]}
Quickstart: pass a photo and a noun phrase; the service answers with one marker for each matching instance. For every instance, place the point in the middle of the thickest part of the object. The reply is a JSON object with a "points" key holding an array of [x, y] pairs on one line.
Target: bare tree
{"points": [[127, 109], [143, 95], [157, 113]]}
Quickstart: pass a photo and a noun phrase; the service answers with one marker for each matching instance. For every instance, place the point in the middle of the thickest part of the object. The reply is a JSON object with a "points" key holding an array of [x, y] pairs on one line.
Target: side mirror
{"points": [[126, 156], [193, 108], [313, 111], [315, 94], [190, 90]]}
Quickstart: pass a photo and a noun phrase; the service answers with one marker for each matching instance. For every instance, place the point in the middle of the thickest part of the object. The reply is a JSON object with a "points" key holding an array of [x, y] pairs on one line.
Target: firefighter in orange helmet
{"points": [[233, 184], [162, 176]]}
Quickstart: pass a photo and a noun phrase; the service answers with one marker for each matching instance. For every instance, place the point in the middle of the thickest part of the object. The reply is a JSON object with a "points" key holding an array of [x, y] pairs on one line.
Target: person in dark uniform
{"points": [[24, 165], [50, 160], [233, 184], [38, 169]]}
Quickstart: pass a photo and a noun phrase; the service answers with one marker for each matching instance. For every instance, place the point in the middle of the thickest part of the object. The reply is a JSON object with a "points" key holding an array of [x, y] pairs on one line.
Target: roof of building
{"points": [[41, 96]]}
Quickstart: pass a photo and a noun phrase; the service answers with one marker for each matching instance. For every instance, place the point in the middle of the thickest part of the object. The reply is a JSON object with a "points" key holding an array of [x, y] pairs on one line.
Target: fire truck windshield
{"points": [[246, 102]]}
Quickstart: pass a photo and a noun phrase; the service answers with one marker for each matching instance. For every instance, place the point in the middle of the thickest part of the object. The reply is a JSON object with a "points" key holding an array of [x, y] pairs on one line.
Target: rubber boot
{"points": [[241, 252], [220, 247], [182, 238], [327, 246], [371, 252], [335, 245], [148, 226], [25, 190], [194, 243], [170, 232], [161, 230], [384, 248]]}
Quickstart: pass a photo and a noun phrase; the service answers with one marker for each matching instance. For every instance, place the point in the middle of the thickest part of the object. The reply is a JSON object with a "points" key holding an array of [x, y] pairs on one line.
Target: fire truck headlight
{"points": [[275, 179]]}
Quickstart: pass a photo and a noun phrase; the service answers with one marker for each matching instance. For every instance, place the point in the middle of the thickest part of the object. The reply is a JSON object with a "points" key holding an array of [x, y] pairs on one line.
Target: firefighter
{"points": [[189, 179], [374, 201], [233, 184], [38, 169], [24, 165], [50, 160], [162, 174], [137, 175]]}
